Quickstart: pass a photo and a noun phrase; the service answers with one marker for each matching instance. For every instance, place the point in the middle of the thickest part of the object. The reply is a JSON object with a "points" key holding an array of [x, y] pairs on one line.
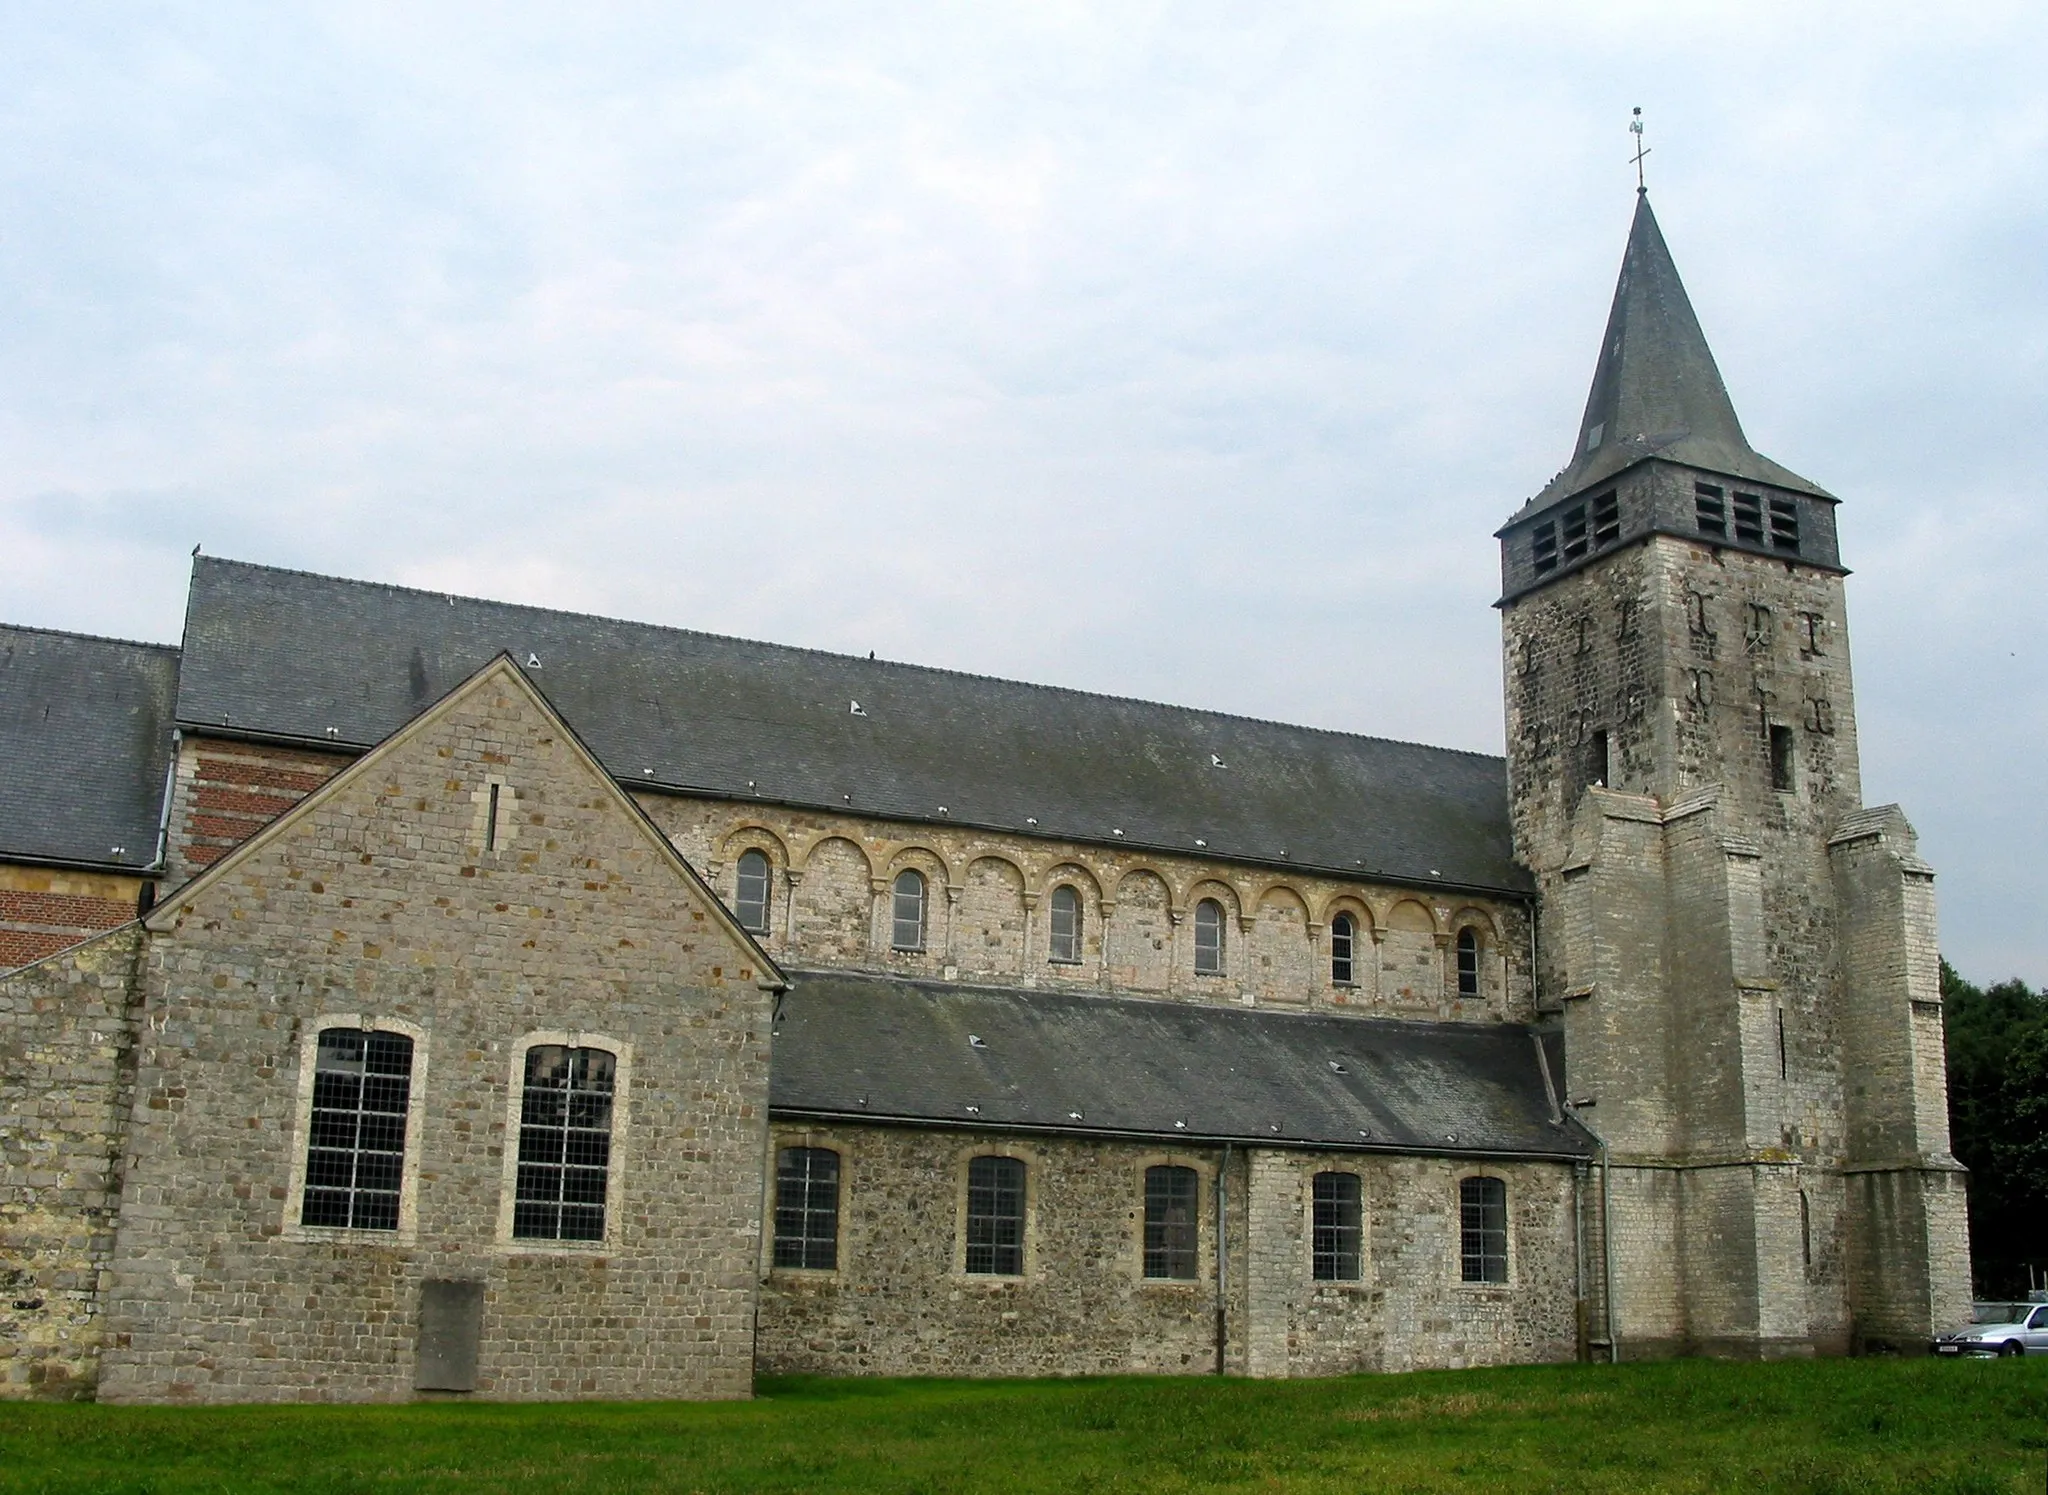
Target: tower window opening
{"points": [[1468, 962], [1343, 950], [1749, 518], [1710, 510], [1596, 760], [1606, 520], [1782, 761], [1543, 546], [1575, 533], [1784, 525]]}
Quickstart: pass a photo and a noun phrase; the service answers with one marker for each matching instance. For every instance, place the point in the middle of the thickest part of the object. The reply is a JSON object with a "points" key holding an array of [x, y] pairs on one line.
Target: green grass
{"points": [[1822, 1426]]}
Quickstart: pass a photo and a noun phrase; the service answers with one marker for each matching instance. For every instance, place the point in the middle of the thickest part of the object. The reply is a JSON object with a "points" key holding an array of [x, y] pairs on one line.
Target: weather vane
{"points": [[1635, 128]]}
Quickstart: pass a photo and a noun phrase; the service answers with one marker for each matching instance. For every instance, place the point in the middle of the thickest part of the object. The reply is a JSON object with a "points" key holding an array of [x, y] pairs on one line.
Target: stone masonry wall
{"points": [[387, 904], [66, 1042]]}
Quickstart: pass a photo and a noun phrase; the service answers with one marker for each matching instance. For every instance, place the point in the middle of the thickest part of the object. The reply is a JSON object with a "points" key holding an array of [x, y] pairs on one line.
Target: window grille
{"points": [[1543, 546], [995, 1217], [1338, 1228], [1784, 524], [1483, 1207], [1749, 518], [1574, 533], [807, 1208], [565, 1144], [1171, 1229], [1710, 509], [1208, 938], [1066, 926], [1343, 949], [907, 910], [355, 1150], [1468, 962], [1606, 520], [751, 892]]}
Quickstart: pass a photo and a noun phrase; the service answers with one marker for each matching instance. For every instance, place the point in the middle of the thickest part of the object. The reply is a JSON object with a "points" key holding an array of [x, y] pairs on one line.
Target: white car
{"points": [[1999, 1329]]}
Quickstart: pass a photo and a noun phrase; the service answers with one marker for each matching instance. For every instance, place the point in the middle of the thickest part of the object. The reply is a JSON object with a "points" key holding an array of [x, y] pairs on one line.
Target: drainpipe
{"points": [[1606, 1236], [1222, 1255], [1579, 1259]]}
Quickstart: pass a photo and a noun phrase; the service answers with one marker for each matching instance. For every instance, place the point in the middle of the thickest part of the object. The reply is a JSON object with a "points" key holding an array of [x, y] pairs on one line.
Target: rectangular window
{"points": [[1574, 533], [1543, 546], [1784, 524], [995, 1217], [1066, 927], [1208, 938], [1749, 518], [355, 1151], [565, 1144], [750, 889], [1343, 950], [1710, 509], [1170, 1223], [1483, 1236], [1596, 760], [906, 908], [1606, 520], [1783, 765], [807, 1208], [1338, 1228]]}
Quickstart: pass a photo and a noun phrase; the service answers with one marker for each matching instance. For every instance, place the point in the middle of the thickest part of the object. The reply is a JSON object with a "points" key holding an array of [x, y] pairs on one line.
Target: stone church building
{"points": [[412, 995]]}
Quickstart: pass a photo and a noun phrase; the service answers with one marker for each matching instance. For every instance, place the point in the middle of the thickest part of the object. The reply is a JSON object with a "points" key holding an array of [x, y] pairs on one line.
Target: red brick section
{"points": [[234, 790], [20, 946], [33, 924]]}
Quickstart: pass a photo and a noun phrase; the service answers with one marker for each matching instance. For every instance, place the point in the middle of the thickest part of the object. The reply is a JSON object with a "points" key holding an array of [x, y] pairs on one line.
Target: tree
{"points": [[1998, 1124]]}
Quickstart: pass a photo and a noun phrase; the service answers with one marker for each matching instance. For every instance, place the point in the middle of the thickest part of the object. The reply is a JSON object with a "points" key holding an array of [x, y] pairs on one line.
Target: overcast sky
{"points": [[1188, 352]]}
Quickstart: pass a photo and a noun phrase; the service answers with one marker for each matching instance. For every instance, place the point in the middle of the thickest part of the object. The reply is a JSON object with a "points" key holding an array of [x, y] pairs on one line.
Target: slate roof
{"points": [[85, 741], [1657, 391], [296, 657], [879, 1048]]}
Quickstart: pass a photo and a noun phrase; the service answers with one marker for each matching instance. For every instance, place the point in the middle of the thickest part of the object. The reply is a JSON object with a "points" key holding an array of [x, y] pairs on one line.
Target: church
{"points": [[407, 995]]}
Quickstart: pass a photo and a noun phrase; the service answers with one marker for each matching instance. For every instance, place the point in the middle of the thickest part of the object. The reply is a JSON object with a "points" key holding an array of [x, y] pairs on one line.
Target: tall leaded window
{"points": [[751, 892], [995, 1217], [1338, 1228], [1208, 938], [1171, 1228], [565, 1144], [907, 905], [1344, 950], [355, 1149], [807, 1208], [1483, 1237], [1066, 926], [1468, 962]]}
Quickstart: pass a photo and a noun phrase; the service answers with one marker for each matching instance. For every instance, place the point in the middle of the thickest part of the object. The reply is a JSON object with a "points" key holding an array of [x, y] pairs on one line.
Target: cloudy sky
{"points": [[1183, 351]]}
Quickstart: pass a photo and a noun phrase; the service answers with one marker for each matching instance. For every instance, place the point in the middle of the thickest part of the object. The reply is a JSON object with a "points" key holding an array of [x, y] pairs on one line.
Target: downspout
{"points": [[1606, 1237], [160, 859], [1222, 1255], [1579, 1259]]}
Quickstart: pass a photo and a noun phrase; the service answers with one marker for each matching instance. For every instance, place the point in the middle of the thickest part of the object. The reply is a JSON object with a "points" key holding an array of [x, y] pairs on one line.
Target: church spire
{"points": [[1656, 390]]}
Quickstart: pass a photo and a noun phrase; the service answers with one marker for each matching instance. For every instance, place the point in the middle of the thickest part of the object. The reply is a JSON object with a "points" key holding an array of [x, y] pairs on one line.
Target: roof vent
{"points": [[532, 661], [1337, 1067], [976, 1041], [1031, 820], [334, 731], [119, 851], [1073, 1115], [1200, 842], [1363, 1132], [1216, 762], [1180, 1126], [1434, 873], [1450, 1136], [942, 810], [855, 708], [1276, 1126], [648, 771], [974, 1110], [1115, 831]]}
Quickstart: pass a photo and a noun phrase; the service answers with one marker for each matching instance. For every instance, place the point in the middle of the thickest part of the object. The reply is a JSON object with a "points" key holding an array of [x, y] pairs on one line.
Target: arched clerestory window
{"points": [[907, 911], [1065, 945], [1468, 962], [1208, 938], [1344, 950], [750, 892]]}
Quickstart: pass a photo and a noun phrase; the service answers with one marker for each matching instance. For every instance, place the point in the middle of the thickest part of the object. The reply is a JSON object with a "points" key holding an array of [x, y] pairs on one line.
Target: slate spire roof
{"points": [[1656, 389]]}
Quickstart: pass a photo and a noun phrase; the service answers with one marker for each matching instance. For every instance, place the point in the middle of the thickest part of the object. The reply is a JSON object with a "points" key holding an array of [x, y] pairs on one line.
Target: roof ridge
{"points": [[893, 664], [91, 638]]}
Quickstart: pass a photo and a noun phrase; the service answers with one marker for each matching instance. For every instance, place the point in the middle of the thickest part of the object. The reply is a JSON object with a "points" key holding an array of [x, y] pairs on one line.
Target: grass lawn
{"points": [[1917, 1425]]}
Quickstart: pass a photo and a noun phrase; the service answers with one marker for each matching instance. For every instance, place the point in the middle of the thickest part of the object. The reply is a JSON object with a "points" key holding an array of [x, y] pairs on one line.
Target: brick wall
{"points": [[44, 910], [224, 792]]}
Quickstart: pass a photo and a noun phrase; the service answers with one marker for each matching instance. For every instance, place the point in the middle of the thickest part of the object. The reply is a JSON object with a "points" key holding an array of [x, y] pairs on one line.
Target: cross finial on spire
{"points": [[1635, 128]]}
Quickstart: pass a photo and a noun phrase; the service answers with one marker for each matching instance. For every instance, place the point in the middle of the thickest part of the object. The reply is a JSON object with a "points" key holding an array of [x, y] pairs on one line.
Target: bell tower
{"points": [[1743, 956]]}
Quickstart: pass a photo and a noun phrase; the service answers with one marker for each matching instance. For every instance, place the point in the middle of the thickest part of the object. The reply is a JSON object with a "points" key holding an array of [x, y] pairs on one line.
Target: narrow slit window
{"points": [[1710, 510], [751, 886], [1783, 1068], [907, 907], [1543, 546], [1574, 533], [995, 1217], [1606, 520], [1170, 1223], [1338, 1228], [1597, 765], [807, 1208], [491, 820], [1066, 926], [1468, 962], [1749, 518], [1483, 1233], [355, 1150], [1343, 950], [1784, 766], [1208, 938], [1784, 525], [565, 1144]]}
